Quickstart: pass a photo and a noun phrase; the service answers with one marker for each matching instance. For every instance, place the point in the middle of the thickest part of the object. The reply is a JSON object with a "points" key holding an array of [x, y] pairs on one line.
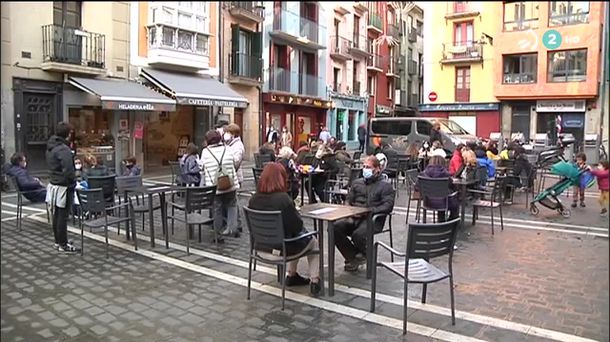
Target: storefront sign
{"points": [[299, 101], [551, 39], [383, 109], [554, 106], [348, 104], [459, 107], [573, 121], [153, 107], [138, 130], [211, 102]]}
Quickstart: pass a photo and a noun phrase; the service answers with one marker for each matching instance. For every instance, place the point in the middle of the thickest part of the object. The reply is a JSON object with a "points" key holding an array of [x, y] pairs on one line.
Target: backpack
{"points": [[223, 180]]}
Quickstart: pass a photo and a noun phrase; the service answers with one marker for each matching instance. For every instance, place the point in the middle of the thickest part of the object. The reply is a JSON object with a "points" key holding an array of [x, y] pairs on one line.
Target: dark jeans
{"points": [[60, 219], [225, 208], [361, 147], [453, 213], [318, 184], [356, 228]]}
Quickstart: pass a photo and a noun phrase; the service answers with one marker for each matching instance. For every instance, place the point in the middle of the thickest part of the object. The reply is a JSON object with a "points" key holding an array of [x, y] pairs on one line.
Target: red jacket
{"points": [[603, 178], [456, 162]]}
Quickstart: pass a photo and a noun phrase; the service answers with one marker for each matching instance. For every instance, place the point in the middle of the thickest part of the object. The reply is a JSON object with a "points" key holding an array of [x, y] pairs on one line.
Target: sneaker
{"points": [[227, 232], [582, 205], [296, 280], [604, 212], [68, 248], [353, 265], [315, 288], [574, 204]]}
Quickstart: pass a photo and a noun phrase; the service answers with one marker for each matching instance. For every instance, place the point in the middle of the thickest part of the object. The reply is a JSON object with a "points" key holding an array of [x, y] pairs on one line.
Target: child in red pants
{"points": [[603, 179]]}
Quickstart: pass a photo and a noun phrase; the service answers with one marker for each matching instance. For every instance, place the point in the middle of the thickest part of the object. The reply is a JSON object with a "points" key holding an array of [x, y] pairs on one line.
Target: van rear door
{"points": [[392, 132]]}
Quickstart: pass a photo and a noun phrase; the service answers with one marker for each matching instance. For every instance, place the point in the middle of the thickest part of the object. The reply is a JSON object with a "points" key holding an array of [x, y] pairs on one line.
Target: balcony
{"points": [[393, 31], [462, 52], [287, 81], [177, 48], [308, 84], [412, 67], [356, 88], [412, 36], [461, 9], [373, 63], [374, 23], [66, 49], [358, 48], [247, 10], [339, 48], [245, 69], [285, 30], [392, 71]]}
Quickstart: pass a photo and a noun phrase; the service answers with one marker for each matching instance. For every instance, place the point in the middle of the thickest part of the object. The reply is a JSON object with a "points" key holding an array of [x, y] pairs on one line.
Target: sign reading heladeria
{"points": [[139, 106]]}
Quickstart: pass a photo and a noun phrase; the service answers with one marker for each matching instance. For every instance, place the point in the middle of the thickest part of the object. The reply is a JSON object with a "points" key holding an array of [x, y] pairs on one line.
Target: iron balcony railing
{"points": [[463, 51], [359, 42], [412, 35], [374, 61], [245, 65], [309, 29], [73, 46], [161, 36], [254, 7], [393, 31], [339, 45], [308, 84], [281, 79], [414, 100], [375, 21]]}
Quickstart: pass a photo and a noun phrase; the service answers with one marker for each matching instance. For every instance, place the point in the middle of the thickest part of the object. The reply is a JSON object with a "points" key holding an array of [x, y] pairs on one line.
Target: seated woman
{"points": [[437, 150], [189, 166], [326, 160], [456, 160], [492, 151], [131, 168], [271, 195], [285, 157], [269, 149], [485, 162], [303, 152], [94, 167], [521, 167], [32, 187], [436, 169], [343, 156]]}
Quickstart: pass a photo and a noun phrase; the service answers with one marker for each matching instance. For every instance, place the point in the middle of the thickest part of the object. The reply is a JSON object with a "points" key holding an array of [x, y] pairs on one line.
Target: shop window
{"points": [[568, 12], [567, 66], [520, 15], [520, 68], [92, 128]]}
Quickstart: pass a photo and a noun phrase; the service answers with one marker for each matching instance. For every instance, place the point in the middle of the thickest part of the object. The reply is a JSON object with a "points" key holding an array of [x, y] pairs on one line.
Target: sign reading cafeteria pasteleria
{"points": [[211, 102]]}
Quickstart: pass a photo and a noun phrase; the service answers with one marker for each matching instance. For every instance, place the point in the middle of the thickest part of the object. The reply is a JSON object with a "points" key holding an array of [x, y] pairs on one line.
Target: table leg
{"points": [[320, 229], [369, 246], [462, 206], [152, 223], [127, 225], [309, 188], [331, 258], [164, 218], [302, 189]]}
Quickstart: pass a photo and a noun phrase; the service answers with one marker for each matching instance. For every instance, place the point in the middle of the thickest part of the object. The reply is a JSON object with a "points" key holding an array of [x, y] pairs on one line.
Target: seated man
{"points": [[370, 192], [32, 187]]}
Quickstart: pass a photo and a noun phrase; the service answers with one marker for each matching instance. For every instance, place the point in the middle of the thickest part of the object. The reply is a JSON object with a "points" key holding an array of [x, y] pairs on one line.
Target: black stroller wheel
{"points": [[534, 209]]}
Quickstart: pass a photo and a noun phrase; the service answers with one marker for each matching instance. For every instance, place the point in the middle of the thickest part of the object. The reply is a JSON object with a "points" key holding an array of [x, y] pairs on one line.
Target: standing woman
{"points": [[189, 166], [286, 137]]}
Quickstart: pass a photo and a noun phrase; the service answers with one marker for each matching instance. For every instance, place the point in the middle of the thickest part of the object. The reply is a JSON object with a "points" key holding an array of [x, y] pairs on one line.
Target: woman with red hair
{"points": [[271, 195]]}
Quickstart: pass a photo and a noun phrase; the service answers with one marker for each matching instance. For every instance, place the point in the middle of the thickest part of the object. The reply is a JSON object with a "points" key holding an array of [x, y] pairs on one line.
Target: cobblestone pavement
{"points": [[522, 284]]}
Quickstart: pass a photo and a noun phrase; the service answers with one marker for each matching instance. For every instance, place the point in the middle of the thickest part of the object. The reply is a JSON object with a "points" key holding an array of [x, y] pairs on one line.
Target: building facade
{"points": [[459, 65], [346, 74], [46, 69], [294, 63], [409, 88], [548, 68]]}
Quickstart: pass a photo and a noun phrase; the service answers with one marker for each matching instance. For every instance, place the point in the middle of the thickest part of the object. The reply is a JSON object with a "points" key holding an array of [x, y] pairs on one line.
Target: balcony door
{"points": [[68, 44], [308, 74], [463, 33], [462, 84]]}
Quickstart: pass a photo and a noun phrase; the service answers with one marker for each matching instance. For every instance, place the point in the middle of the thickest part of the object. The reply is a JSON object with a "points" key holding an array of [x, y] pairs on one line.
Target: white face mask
{"points": [[78, 166], [228, 136], [25, 165]]}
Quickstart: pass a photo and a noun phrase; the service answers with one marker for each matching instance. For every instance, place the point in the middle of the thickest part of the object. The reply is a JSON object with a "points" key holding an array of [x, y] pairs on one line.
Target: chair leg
{"points": [[452, 300], [492, 219], [283, 285], [199, 228], [133, 230], [188, 228], [254, 267], [373, 283], [143, 221], [106, 237], [501, 219], [19, 211], [424, 289], [425, 213], [391, 243], [408, 210], [405, 299], [249, 276], [82, 237], [474, 215]]}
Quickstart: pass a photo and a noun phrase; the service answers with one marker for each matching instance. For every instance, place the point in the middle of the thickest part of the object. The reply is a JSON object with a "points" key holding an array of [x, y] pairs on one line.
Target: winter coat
{"points": [[291, 220], [34, 191], [61, 162], [191, 172], [488, 164], [238, 149], [135, 170], [375, 194], [211, 157], [602, 178], [435, 136], [293, 182], [361, 133], [439, 171], [456, 162]]}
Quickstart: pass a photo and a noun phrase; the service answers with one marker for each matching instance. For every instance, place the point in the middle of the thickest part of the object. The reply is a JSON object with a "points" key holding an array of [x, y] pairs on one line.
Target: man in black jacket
{"points": [[63, 180], [371, 192]]}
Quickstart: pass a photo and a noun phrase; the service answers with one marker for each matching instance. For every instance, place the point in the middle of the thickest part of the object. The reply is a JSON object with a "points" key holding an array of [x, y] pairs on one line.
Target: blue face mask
{"points": [[367, 173]]}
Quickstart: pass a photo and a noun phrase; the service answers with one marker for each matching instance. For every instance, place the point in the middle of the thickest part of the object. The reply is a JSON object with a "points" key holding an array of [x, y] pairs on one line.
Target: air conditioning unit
{"points": [[474, 53]]}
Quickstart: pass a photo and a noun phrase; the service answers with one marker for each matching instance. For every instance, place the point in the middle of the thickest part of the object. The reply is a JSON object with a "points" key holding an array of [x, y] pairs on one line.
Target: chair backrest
{"points": [[92, 200], [14, 184], [176, 171], [433, 188], [127, 182], [357, 155], [257, 175], [431, 240], [355, 173], [261, 159], [266, 227], [308, 159], [106, 183], [200, 197]]}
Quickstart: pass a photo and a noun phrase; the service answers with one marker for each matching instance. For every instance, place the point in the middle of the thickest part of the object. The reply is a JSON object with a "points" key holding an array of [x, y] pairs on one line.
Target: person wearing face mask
{"points": [[32, 187], [370, 192], [131, 168], [286, 137]]}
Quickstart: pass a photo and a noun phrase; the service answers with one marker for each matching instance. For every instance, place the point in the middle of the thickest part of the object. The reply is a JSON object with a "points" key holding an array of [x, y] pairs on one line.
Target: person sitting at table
{"points": [[521, 166], [94, 167], [437, 150], [486, 162], [268, 148], [271, 195], [303, 153], [286, 158], [325, 160], [368, 192], [343, 156], [468, 169], [456, 159], [189, 166], [436, 169], [32, 187], [131, 168]]}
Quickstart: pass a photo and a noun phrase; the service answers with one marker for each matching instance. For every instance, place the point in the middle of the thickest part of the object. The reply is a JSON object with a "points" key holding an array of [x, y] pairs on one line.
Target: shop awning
{"points": [[195, 89], [124, 95]]}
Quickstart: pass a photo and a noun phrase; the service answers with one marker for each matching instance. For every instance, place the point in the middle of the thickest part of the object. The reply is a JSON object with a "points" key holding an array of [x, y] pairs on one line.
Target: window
{"points": [[67, 13], [420, 28], [390, 89], [424, 127], [168, 36], [463, 34], [520, 15], [370, 84], [520, 68], [567, 66], [336, 79], [391, 127], [568, 12], [202, 44]]}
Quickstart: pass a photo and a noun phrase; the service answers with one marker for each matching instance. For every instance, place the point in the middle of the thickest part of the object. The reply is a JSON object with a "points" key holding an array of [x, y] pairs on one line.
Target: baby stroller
{"points": [[550, 197]]}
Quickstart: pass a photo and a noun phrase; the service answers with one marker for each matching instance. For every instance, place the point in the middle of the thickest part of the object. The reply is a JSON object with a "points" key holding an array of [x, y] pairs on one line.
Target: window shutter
{"points": [[257, 53], [235, 57]]}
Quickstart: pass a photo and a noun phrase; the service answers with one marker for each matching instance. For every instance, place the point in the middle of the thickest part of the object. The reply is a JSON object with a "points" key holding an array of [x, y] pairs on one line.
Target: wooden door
{"points": [[462, 84]]}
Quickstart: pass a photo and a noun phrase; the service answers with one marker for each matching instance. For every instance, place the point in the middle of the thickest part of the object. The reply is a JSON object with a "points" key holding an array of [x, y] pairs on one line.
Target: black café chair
{"points": [[106, 183], [267, 229], [256, 172], [94, 214], [261, 159], [20, 204], [490, 197], [412, 193], [197, 198], [176, 171], [434, 189], [424, 242]]}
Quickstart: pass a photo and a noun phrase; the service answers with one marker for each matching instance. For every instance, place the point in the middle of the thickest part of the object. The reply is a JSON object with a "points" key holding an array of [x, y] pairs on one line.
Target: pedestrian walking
{"points": [[361, 137]]}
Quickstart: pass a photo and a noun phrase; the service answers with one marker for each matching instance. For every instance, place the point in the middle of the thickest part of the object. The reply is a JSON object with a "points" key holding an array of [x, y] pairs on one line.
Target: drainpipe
{"points": [[220, 55], [604, 73]]}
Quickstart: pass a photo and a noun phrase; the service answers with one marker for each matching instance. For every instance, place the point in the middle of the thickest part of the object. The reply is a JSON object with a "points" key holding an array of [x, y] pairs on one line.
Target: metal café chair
{"points": [[491, 198], [434, 189], [424, 242], [197, 198], [267, 230], [20, 204]]}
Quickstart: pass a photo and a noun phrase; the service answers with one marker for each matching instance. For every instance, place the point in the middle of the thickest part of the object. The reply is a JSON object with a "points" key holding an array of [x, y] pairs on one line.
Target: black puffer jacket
{"points": [[61, 162], [375, 194]]}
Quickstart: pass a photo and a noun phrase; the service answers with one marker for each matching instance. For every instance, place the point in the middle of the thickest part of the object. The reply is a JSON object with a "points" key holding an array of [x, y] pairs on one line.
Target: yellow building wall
{"points": [[481, 74]]}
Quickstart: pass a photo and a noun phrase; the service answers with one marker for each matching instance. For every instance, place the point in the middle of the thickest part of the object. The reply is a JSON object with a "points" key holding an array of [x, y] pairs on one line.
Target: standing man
{"points": [[62, 183], [361, 137], [325, 135]]}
